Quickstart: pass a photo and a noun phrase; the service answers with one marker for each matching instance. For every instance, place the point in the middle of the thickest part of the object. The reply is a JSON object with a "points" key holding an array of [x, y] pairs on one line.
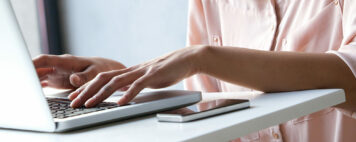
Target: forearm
{"points": [[276, 71]]}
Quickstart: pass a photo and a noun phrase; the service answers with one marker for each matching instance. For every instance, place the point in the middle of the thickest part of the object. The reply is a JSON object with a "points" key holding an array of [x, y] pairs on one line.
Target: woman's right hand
{"points": [[69, 72]]}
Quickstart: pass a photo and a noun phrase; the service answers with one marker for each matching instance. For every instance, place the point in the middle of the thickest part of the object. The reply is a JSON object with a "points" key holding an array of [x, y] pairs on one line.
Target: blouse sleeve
{"points": [[197, 35], [347, 51]]}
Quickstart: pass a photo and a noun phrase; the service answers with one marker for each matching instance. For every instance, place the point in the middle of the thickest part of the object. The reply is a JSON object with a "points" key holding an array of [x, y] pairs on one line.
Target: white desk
{"points": [[266, 110]]}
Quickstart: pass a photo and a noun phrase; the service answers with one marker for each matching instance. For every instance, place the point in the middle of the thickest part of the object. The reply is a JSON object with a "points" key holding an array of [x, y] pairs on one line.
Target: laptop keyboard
{"points": [[60, 108]]}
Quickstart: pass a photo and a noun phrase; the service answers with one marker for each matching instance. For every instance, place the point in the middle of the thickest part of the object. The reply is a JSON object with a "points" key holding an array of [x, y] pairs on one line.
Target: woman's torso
{"points": [[280, 25]]}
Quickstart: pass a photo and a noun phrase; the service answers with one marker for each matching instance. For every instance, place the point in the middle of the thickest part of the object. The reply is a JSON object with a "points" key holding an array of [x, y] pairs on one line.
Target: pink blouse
{"points": [[280, 25]]}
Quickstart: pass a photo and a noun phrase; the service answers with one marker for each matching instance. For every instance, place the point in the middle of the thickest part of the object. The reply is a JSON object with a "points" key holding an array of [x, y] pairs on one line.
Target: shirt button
{"points": [[272, 28], [275, 135], [336, 2], [284, 42]]}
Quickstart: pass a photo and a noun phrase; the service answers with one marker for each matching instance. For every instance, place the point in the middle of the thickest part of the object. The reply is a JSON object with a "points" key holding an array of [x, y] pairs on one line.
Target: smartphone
{"points": [[203, 110]]}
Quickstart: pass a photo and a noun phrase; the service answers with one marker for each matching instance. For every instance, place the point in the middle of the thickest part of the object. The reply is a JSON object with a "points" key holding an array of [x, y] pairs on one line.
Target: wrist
{"points": [[200, 59]]}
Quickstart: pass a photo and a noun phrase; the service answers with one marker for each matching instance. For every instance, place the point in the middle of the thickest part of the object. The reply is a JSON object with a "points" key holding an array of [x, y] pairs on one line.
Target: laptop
{"points": [[24, 106]]}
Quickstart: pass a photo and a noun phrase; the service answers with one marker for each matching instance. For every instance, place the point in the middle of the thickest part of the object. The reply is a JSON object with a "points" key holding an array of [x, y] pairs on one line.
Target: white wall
{"points": [[26, 14], [130, 31]]}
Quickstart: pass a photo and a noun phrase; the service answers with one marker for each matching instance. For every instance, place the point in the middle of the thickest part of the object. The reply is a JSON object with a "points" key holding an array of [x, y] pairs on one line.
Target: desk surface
{"points": [[266, 110]]}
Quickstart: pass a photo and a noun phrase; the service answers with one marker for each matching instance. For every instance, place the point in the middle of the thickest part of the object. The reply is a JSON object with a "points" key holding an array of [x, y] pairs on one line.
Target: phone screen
{"points": [[205, 106]]}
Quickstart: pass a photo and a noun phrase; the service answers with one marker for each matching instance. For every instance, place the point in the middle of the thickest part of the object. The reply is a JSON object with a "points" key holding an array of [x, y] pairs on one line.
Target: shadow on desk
{"points": [[106, 125]]}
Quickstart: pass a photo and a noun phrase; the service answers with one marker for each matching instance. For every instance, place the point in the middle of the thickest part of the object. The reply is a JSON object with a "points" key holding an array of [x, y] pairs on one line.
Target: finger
{"points": [[43, 78], [114, 84], [45, 61], [75, 93], [80, 78], [90, 89], [63, 61], [135, 88], [93, 87], [44, 71], [44, 84], [124, 88]]}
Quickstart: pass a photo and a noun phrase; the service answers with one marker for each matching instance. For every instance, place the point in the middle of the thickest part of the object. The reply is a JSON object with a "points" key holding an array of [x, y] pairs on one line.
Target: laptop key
{"points": [[60, 108]]}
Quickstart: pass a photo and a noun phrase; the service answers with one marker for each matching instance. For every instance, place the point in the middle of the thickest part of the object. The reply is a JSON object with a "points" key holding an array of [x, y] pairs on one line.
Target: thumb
{"points": [[80, 78]]}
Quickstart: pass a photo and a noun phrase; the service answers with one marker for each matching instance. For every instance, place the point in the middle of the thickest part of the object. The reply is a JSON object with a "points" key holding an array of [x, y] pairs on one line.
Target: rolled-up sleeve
{"points": [[197, 35], [347, 51]]}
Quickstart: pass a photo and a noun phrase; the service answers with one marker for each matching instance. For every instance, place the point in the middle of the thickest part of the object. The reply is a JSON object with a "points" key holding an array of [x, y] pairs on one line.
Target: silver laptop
{"points": [[24, 106]]}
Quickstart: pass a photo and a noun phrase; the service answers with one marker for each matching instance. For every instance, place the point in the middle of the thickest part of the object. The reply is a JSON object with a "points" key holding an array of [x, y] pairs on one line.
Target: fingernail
{"points": [[70, 96], [76, 79], [44, 84], [121, 102], [89, 103], [74, 103]]}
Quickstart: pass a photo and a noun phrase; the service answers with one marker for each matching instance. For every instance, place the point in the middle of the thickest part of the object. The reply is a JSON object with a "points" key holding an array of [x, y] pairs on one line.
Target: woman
{"points": [[270, 46]]}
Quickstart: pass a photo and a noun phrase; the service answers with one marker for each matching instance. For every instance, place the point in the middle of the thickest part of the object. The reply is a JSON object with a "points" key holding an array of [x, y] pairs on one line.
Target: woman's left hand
{"points": [[158, 73]]}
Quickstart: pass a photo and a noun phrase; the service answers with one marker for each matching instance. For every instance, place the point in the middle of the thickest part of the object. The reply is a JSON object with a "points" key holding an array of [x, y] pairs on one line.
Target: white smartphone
{"points": [[203, 110]]}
